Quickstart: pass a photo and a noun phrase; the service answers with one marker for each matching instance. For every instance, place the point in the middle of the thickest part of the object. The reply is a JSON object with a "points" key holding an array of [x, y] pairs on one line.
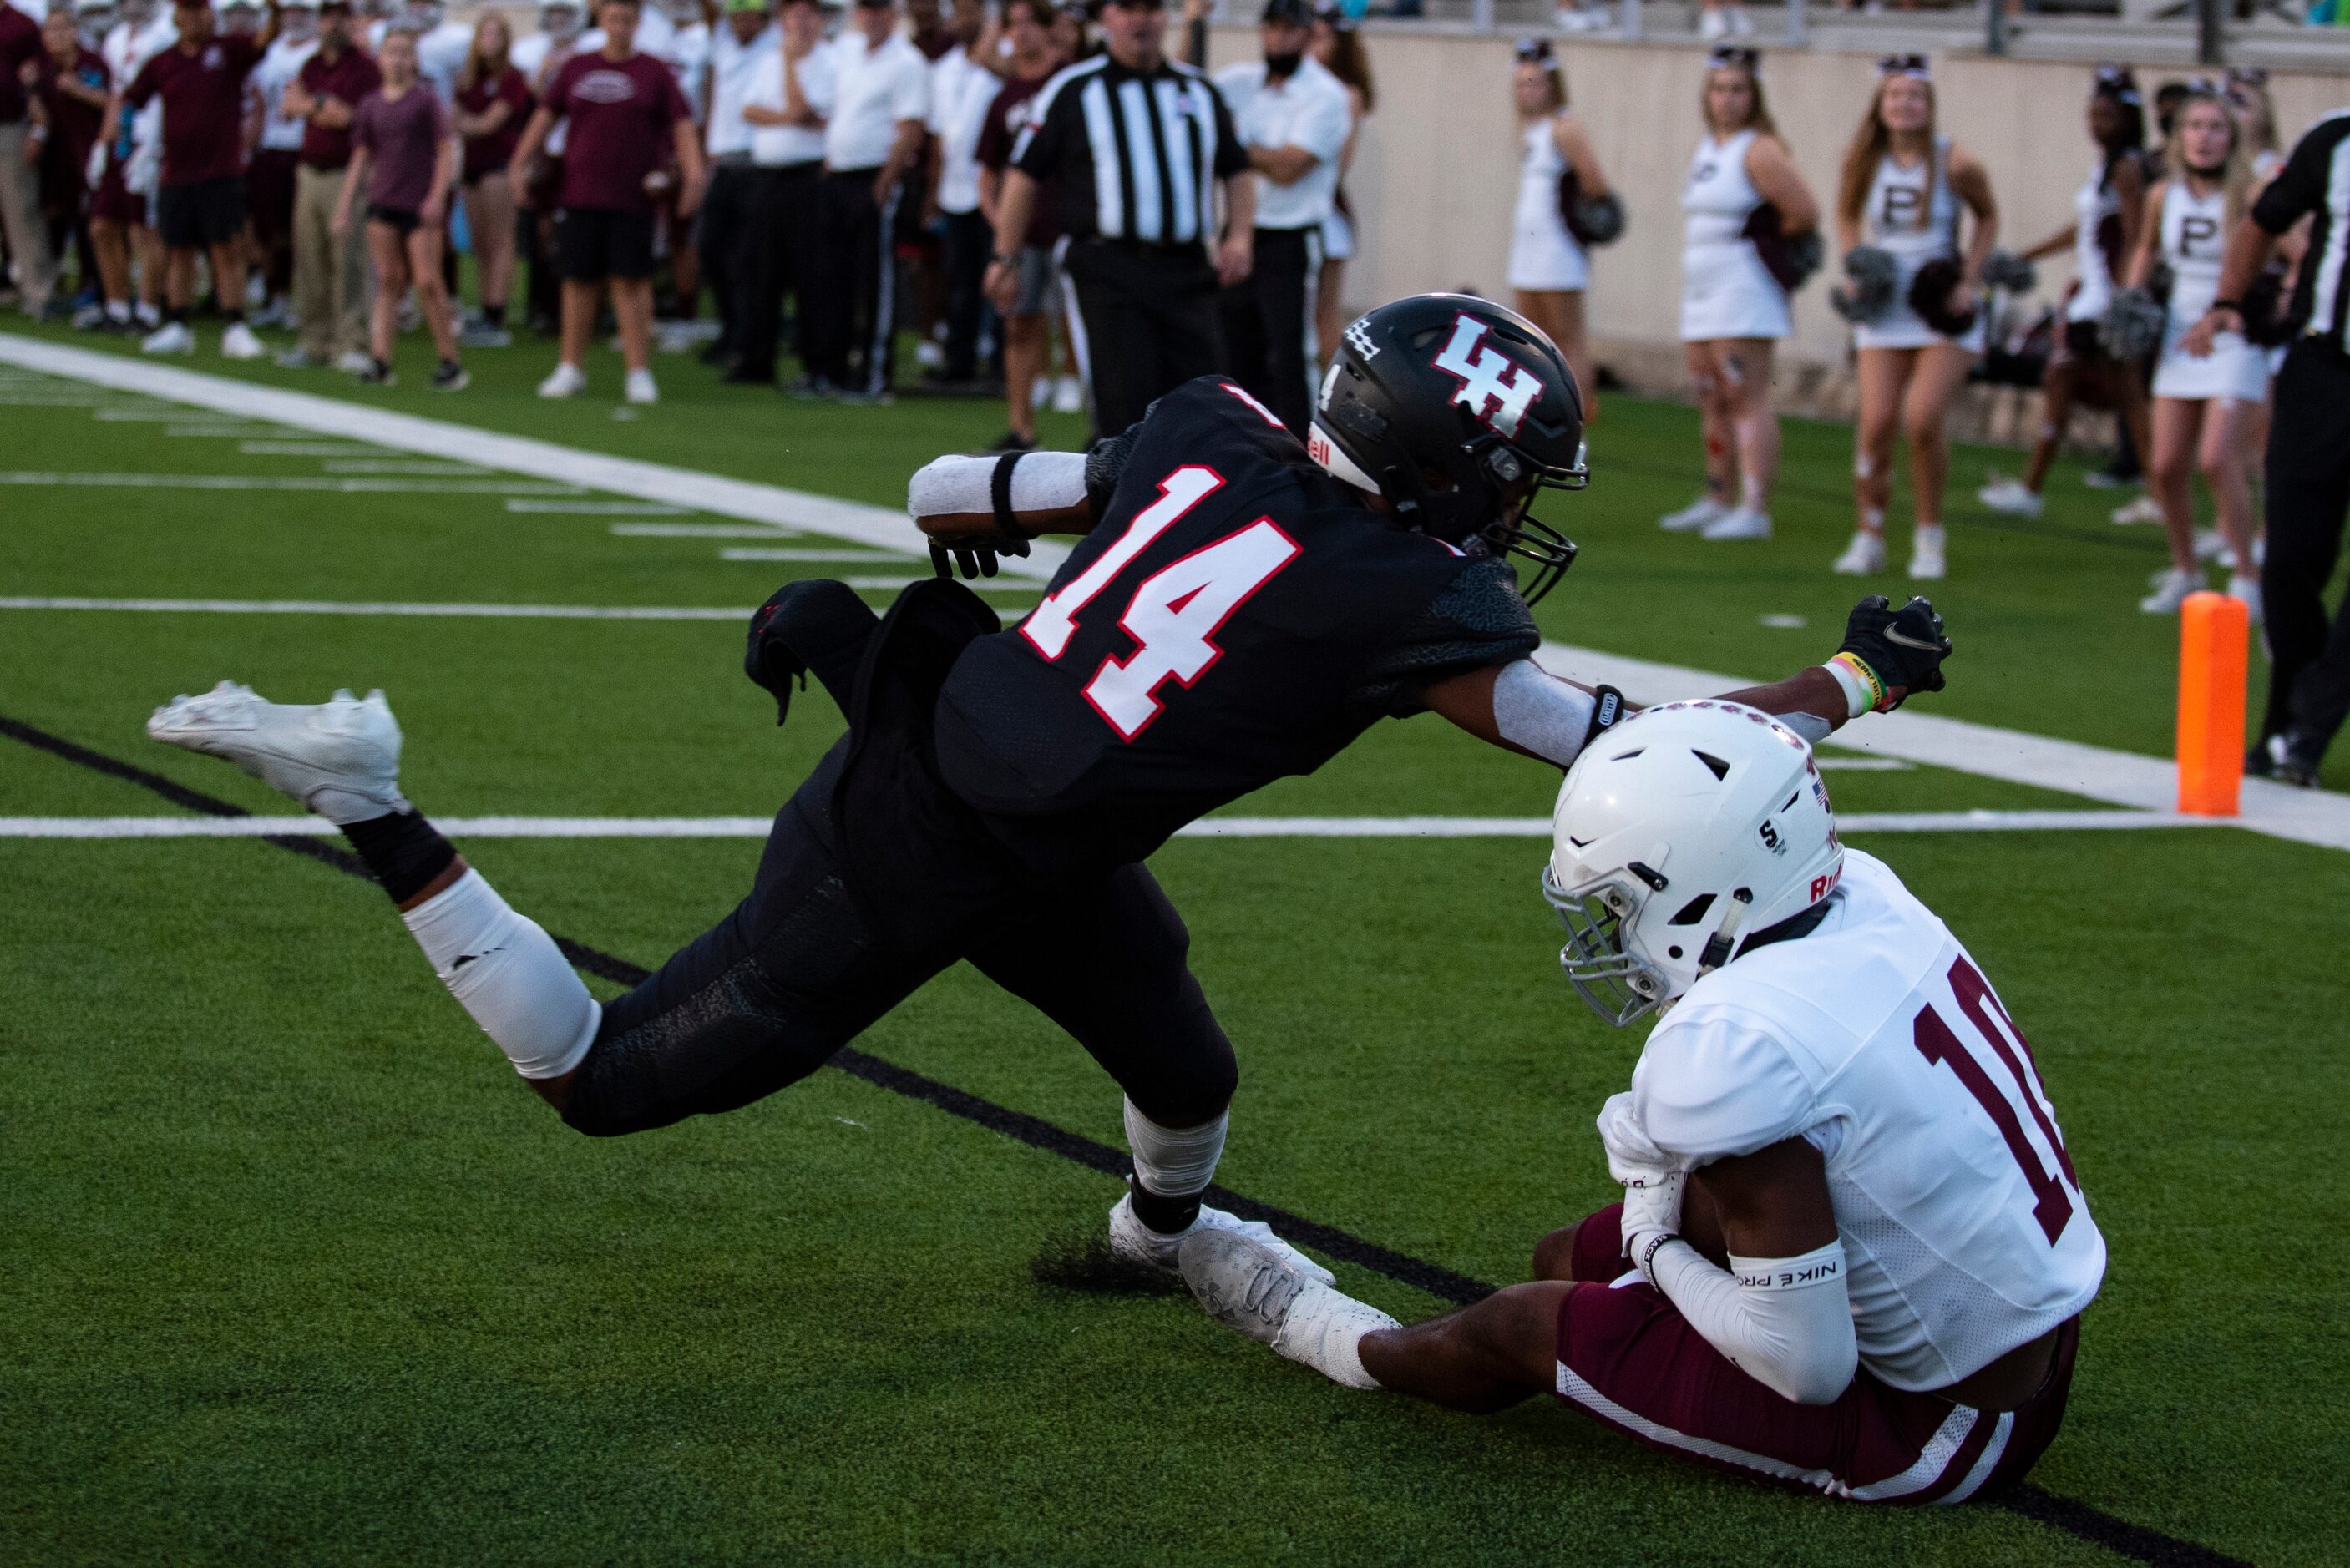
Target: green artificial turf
{"points": [[293, 1269]]}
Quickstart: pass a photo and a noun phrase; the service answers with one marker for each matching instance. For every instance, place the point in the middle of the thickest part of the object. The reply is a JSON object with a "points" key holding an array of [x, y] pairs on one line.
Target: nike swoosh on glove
{"points": [[1650, 1177], [1904, 646]]}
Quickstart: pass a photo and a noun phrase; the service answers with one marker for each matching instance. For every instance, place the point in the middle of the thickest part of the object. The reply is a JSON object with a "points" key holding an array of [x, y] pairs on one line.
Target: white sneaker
{"points": [[1927, 563], [1068, 396], [239, 343], [929, 355], [1740, 523], [2170, 591], [640, 388], [2145, 509], [1130, 1239], [2009, 495], [2249, 590], [1705, 509], [340, 758], [568, 381], [1865, 556], [357, 362], [171, 337]]}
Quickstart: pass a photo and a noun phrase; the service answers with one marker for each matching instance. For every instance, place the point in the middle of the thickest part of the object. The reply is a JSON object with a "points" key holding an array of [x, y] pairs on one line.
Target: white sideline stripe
{"points": [[415, 467], [1208, 827], [2097, 772], [846, 552], [701, 531], [307, 449], [599, 508], [330, 606], [742, 499], [221, 432], [349, 486], [148, 414]]}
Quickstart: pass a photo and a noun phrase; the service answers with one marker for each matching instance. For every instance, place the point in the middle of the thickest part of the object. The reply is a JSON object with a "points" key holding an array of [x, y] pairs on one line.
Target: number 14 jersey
{"points": [[1876, 1039]]}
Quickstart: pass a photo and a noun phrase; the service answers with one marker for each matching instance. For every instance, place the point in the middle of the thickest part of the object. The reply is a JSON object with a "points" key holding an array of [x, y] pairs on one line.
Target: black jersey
{"points": [[1236, 617]]}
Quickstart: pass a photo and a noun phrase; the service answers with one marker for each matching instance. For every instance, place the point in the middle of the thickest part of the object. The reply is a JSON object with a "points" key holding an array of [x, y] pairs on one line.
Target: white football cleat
{"points": [[1705, 509], [2010, 496], [640, 388], [1740, 522], [171, 337], [239, 343], [338, 758], [1865, 556], [2170, 591], [1241, 1284], [1136, 1242], [1926, 562], [568, 380]]}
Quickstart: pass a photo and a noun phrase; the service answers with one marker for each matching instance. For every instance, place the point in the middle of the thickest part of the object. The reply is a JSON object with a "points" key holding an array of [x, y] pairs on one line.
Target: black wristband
{"points": [[1608, 711], [999, 495], [1648, 1253], [2236, 306]]}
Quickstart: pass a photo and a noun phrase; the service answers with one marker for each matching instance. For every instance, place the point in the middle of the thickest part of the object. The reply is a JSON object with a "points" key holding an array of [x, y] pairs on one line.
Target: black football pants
{"points": [[2308, 475], [849, 335], [723, 232], [1147, 316], [765, 997], [1269, 323], [785, 228]]}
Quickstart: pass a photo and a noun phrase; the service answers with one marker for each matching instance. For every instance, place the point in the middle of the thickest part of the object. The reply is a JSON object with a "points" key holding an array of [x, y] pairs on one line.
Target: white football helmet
{"points": [[1678, 831]]}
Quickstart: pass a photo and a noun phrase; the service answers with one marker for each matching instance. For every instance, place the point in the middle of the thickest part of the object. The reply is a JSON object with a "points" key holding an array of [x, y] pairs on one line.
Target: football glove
{"points": [[1904, 647], [2131, 327], [815, 623], [1650, 1178]]}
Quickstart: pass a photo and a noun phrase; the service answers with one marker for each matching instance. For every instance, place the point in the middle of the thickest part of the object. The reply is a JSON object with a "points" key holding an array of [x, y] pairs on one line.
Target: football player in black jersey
{"points": [[1238, 607]]}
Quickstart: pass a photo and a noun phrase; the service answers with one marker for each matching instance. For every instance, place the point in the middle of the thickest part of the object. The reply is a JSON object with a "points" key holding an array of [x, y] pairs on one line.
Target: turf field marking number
{"points": [[1175, 617], [1054, 621], [1940, 1045]]}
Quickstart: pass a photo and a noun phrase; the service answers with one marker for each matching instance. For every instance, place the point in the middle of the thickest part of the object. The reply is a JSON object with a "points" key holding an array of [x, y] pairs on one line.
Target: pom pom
{"points": [[2007, 271], [1867, 288], [2131, 327]]}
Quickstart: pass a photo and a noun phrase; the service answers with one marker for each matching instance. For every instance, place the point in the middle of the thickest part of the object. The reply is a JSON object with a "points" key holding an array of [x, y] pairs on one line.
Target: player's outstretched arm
{"points": [[977, 509]]}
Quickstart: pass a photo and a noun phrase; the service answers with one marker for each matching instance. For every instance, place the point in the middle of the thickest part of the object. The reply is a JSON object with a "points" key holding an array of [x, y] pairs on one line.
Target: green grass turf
{"points": [[294, 1270]]}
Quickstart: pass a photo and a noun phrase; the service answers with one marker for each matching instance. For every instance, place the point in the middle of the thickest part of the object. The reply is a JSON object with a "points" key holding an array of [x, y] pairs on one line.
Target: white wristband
{"points": [[1856, 690]]}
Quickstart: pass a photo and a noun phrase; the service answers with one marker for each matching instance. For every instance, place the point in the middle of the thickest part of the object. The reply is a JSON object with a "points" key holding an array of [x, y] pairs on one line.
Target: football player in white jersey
{"points": [[1852, 1251]]}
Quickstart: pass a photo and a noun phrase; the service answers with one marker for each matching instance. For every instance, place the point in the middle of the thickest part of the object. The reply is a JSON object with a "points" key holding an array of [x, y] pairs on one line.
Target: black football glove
{"points": [[977, 555], [814, 624], [1904, 647]]}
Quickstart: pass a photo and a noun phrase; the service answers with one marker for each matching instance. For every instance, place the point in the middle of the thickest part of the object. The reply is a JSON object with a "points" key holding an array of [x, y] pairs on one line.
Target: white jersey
{"points": [[440, 56], [127, 50], [1726, 291], [1876, 1039], [2194, 234], [689, 58], [2093, 204], [279, 66], [1543, 256], [1718, 196]]}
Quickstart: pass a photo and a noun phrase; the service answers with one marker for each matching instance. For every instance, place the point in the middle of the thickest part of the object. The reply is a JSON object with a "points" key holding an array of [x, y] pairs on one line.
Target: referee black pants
{"points": [[1147, 323], [723, 235], [2308, 476], [852, 285], [786, 225], [1269, 323]]}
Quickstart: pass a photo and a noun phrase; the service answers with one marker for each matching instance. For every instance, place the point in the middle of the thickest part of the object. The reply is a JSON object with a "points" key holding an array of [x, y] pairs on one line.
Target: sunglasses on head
{"points": [[1731, 55], [1910, 66], [1533, 51]]}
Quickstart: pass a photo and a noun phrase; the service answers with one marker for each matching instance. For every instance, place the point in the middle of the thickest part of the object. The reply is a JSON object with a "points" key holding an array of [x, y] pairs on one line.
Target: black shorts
{"points": [[400, 219], [208, 212], [595, 243]]}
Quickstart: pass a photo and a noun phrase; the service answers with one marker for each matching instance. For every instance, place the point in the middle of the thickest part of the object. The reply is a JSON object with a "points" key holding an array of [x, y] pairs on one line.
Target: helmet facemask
{"points": [[1618, 984]]}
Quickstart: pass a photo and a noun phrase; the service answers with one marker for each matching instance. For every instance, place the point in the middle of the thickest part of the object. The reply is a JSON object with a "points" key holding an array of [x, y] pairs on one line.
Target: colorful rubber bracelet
{"points": [[1859, 667]]}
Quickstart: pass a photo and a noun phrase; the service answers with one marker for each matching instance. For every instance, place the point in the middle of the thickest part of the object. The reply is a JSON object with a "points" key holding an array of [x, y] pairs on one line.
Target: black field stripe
{"points": [[2078, 1519]]}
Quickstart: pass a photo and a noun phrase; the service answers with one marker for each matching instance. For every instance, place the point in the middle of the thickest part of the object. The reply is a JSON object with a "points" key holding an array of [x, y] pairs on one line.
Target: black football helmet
{"points": [[1456, 411]]}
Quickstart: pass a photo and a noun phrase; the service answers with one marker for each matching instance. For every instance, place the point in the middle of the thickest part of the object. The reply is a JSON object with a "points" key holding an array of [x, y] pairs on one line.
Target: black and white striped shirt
{"points": [[2316, 180], [1131, 155]]}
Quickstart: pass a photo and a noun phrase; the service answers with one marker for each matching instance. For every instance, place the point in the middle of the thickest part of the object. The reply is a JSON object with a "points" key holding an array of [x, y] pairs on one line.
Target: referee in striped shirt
{"points": [[1134, 146], [2309, 448]]}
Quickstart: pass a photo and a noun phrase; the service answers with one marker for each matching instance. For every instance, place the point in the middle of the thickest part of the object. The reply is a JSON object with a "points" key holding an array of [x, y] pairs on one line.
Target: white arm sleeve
{"points": [[1784, 1321], [1040, 481], [1535, 710]]}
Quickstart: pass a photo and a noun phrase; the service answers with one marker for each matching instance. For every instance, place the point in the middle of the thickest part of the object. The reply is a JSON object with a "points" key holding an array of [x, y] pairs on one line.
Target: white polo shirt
{"points": [[279, 68], [731, 63], [1309, 110], [688, 53], [875, 88], [781, 146], [960, 91], [440, 55]]}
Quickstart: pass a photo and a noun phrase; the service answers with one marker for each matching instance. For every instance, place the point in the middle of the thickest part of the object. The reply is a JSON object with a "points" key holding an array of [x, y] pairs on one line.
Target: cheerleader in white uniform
{"points": [[1548, 269], [2107, 211], [1901, 190], [1338, 45], [2205, 390], [1732, 310]]}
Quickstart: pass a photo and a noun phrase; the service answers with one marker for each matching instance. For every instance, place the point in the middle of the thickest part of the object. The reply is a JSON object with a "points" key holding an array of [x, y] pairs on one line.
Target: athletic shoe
{"points": [[1136, 1242], [270, 313], [239, 343], [147, 315], [1704, 510], [568, 381], [2211, 544], [1865, 556], [1248, 1288], [2288, 759], [928, 356], [1927, 561], [2249, 590], [812, 388], [2145, 509], [2170, 591], [256, 291], [298, 360], [1740, 522], [377, 374], [450, 377], [1068, 396], [2010, 496], [171, 337], [357, 362], [482, 335], [1012, 441], [90, 318], [340, 758], [640, 388]]}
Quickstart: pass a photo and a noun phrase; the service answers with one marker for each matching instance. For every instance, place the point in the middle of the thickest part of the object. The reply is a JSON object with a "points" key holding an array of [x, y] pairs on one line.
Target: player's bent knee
{"points": [[1555, 1253]]}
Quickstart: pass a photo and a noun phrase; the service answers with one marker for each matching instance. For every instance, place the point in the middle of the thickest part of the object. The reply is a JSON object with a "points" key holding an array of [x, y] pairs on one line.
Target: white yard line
{"points": [[586, 508], [349, 486], [307, 449], [701, 531], [811, 553], [1211, 828], [332, 607], [2118, 778]]}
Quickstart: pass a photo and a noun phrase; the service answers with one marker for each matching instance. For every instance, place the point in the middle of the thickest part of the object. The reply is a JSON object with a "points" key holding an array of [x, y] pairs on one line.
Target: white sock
{"points": [[1750, 494], [1872, 520], [1172, 1162], [1325, 1331], [506, 971]]}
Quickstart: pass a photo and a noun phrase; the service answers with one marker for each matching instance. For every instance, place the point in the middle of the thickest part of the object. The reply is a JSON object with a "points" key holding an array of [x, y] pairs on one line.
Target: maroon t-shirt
{"points": [[621, 113], [74, 122], [490, 154], [20, 40], [204, 106], [351, 77], [402, 136], [1001, 128]]}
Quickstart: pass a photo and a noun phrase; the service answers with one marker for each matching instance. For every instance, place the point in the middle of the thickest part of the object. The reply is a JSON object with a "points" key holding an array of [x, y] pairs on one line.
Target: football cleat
{"points": [[338, 758], [1865, 556], [1136, 1242], [1740, 522], [1241, 1283], [1705, 509]]}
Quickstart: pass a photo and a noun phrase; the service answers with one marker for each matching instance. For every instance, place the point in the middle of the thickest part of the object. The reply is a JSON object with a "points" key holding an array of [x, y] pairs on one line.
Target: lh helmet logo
{"points": [[1494, 387]]}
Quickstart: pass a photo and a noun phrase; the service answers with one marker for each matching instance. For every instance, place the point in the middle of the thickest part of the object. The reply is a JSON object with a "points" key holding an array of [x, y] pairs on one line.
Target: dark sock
{"points": [[495, 315], [178, 318], [1164, 1215], [235, 316], [403, 850]]}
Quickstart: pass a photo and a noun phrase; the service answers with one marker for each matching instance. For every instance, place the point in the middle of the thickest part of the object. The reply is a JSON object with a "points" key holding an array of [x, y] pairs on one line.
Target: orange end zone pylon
{"points": [[2214, 642]]}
